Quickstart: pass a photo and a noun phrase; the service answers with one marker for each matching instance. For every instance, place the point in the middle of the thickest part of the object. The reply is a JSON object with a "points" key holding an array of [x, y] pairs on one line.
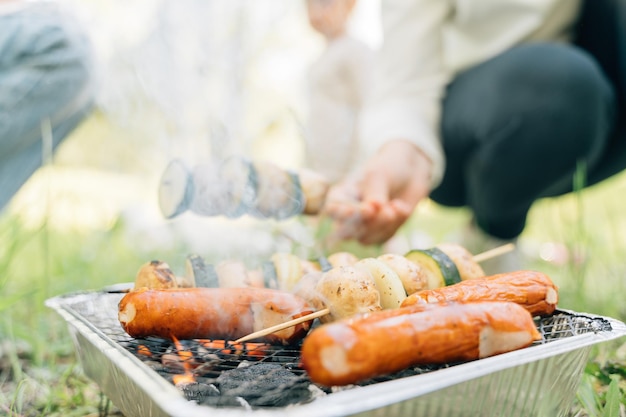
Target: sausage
{"points": [[352, 350], [212, 313], [533, 290]]}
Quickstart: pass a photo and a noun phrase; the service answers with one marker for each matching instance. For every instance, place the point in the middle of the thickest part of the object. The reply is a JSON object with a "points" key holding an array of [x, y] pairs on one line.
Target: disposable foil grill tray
{"points": [[138, 374]]}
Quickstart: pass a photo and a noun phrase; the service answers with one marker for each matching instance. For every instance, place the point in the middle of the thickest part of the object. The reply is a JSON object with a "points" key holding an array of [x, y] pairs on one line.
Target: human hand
{"points": [[371, 207]]}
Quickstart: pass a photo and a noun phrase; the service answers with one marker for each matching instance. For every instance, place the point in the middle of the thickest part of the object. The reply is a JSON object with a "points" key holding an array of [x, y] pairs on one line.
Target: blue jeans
{"points": [[45, 86]]}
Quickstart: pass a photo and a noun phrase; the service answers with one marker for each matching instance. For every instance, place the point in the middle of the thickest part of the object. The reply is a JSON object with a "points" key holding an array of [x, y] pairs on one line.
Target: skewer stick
{"points": [[500, 250], [285, 325], [481, 257]]}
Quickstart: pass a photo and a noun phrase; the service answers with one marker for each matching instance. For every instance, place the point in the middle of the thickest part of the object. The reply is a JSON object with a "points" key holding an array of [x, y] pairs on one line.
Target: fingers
{"points": [[381, 227], [364, 212], [373, 207], [375, 188], [372, 225], [345, 202]]}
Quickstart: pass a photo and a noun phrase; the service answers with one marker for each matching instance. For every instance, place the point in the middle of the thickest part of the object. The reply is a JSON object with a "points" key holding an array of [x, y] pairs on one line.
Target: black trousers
{"points": [[515, 128]]}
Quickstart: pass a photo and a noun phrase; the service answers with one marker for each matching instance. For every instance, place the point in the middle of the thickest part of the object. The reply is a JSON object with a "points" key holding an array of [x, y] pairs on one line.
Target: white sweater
{"points": [[338, 84], [427, 41]]}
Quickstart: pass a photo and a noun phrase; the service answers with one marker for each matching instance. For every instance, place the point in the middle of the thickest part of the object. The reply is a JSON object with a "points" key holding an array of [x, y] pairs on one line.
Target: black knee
{"points": [[562, 91], [557, 93]]}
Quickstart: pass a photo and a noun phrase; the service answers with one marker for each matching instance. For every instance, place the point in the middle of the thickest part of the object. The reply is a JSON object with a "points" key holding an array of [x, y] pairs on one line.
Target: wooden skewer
{"points": [[500, 250], [285, 325], [481, 257]]}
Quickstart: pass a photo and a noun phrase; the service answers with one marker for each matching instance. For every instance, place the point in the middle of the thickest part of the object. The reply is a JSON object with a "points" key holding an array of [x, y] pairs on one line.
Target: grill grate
{"points": [[254, 375]]}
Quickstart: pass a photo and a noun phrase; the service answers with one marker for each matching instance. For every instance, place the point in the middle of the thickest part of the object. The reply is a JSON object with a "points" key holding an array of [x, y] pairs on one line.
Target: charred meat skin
{"points": [[212, 313]]}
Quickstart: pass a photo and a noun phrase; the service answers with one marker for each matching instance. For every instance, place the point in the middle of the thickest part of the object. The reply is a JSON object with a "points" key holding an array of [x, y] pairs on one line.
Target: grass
{"points": [[580, 240]]}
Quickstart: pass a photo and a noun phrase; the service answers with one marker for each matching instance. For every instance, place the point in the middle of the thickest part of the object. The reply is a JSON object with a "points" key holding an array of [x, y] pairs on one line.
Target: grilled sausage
{"points": [[212, 313], [533, 290], [353, 350]]}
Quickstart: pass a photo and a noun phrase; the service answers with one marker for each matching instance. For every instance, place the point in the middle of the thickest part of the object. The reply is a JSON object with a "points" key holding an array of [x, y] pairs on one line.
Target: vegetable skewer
{"points": [[326, 311]]}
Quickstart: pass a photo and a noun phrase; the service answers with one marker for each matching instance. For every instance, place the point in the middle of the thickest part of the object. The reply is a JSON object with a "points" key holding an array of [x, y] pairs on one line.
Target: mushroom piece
{"points": [[347, 291], [156, 275], [414, 278]]}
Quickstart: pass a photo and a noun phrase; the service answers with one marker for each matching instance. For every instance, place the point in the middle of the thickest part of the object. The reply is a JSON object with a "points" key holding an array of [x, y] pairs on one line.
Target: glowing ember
{"points": [[186, 358], [180, 380], [144, 350], [230, 348]]}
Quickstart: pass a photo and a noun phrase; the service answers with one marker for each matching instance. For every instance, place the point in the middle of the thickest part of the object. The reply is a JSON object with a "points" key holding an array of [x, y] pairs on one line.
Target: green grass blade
{"points": [[587, 396], [613, 395]]}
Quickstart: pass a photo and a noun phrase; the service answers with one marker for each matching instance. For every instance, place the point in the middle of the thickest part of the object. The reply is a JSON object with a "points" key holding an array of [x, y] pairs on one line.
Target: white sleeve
{"points": [[409, 81]]}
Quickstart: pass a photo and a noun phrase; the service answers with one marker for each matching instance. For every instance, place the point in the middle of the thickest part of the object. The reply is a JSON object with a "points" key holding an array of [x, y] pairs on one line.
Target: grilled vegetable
{"points": [[466, 265], [533, 290], [324, 264], [311, 265], [342, 258], [239, 179], [232, 274], [346, 291], [175, 189], [270, 277], [387, 282], [156, 274], [440, 269], [306, 288], [314, 188], [200, 273], [279, 194], [288, 269], [413, 276]]}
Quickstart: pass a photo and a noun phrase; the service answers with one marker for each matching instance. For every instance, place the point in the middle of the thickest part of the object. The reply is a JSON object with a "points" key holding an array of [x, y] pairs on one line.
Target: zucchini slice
{"points": [[279, 194], [210, 192], [176, 189], [200, 273], [463, 259], [270, 277], [325, 265], [440, 268], [240, 179]]}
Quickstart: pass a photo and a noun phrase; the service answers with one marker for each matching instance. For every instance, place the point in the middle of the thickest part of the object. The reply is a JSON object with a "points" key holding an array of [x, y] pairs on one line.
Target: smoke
{"points": [[199, 81]]}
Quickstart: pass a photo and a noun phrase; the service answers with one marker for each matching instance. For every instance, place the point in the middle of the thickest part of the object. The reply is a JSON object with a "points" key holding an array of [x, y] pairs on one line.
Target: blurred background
{"points": [[195, 79], [189, 80]]}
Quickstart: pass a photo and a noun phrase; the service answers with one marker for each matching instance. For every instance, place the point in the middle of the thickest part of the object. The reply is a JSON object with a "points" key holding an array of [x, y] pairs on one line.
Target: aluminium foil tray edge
{"points": [[138, 390]]}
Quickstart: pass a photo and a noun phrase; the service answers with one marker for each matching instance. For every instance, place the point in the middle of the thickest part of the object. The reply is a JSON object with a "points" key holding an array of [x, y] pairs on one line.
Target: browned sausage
{"points": [[352, 350], [212, 313], [533, 290]]}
